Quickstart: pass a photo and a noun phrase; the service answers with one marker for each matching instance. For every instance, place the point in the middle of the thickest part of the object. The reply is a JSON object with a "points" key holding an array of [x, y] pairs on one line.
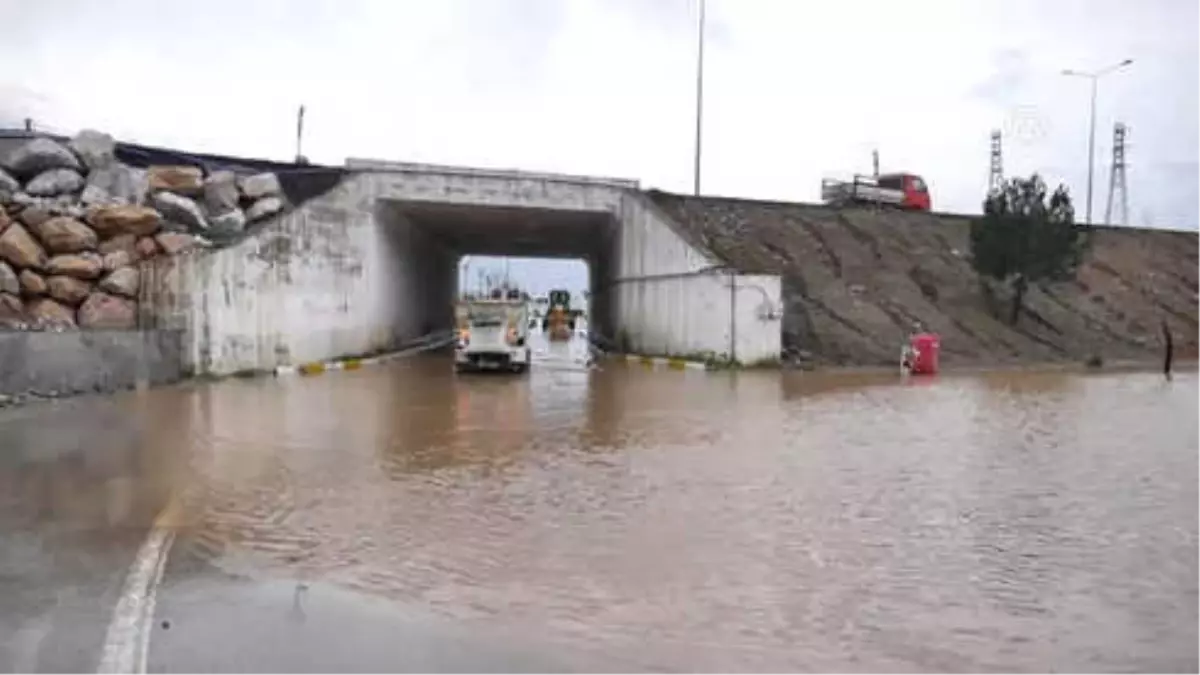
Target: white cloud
{"points": [[794, 90]]}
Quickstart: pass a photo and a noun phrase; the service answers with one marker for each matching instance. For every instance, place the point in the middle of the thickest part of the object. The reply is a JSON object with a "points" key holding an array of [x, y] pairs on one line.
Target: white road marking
{"points": [[127, 641]]}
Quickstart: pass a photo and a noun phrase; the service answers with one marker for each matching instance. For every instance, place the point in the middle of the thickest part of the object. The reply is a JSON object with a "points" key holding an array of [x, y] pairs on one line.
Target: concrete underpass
{"points": [[372, 264]]}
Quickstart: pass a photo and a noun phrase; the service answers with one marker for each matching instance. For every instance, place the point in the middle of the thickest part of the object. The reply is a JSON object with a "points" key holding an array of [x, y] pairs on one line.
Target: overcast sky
{"points": [[794, 90]]}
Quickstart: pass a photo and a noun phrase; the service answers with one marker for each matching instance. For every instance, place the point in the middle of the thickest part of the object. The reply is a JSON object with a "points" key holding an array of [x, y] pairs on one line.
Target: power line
{"points": [[1116, 179], [996, 170]]}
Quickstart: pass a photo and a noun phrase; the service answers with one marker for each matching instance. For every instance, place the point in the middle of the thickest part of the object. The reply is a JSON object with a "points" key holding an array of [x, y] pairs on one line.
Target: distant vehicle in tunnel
{"points": [[493, 335], [559, 306], [903, 190], [558, 325]]}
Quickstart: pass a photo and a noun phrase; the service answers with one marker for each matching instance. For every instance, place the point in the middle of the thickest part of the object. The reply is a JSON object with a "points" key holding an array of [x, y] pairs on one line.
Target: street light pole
{"points": [[1095, 79], [699, 100]]}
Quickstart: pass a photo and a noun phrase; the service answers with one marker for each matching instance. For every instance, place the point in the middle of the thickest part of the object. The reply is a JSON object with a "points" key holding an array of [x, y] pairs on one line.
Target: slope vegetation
{"points": [[856, 281]]}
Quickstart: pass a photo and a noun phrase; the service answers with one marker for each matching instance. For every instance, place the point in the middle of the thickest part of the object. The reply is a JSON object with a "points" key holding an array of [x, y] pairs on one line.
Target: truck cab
{"points": [[493, 334]]}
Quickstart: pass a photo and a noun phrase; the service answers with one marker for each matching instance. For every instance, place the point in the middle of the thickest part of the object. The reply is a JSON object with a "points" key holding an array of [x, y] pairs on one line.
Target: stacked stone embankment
{"points": [[75, 223], [856, 281]]}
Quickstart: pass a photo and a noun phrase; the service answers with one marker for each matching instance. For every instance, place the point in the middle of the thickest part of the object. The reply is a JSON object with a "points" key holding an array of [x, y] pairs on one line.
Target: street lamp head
{"points": [[1126, 62]]}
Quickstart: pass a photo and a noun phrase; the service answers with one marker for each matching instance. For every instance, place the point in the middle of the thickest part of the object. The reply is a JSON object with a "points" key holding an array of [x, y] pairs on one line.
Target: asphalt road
{"points": [[70, 525], [81, 484]]}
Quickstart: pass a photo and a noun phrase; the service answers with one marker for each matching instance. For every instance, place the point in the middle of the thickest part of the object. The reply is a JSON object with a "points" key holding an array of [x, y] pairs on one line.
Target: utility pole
{"points": [[996, 170], [699, 101], [300, 135], [875, 162], [1116, 179], [1094, 77]]}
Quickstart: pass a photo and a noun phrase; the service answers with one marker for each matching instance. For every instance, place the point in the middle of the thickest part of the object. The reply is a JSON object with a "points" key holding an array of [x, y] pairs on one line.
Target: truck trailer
{"points": [[901, 190]]}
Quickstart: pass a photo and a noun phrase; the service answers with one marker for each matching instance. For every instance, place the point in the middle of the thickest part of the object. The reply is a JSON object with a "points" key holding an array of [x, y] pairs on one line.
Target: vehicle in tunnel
{"points": [[559, 306], [493, 334]]}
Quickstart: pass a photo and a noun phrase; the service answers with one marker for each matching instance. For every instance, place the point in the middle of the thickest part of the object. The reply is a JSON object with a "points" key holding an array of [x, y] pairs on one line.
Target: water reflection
{"points": [[81, 466]]}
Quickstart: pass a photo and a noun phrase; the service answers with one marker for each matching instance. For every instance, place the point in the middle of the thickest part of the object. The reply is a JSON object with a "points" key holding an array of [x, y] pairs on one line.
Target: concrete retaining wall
{"points": [[76, 362], [670, 296], [346, 274], [330, 279]]}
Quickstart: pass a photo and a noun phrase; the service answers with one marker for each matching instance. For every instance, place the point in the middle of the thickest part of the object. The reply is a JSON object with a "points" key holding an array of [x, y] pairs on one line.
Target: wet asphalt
{"points": [[78, 496]]}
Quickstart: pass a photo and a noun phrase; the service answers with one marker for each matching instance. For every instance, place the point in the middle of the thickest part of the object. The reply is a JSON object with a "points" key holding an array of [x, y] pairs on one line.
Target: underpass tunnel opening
{"points": [[543, 281], [438, 251]]}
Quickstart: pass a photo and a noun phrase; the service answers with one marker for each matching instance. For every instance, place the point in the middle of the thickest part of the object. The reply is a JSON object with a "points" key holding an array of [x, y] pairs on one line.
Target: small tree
{"points": [[1022, 238]]}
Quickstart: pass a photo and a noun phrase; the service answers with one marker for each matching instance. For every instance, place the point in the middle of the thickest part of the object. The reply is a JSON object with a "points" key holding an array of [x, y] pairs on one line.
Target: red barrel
{"points": [[925, 348]]}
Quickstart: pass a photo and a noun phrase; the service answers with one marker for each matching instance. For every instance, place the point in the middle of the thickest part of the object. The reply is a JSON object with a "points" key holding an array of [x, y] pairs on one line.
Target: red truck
{"points": [[904, 190]]}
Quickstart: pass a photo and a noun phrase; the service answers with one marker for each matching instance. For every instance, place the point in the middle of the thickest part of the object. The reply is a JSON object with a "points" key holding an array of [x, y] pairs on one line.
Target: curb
{"points": [[355, 363], [659, 362]]}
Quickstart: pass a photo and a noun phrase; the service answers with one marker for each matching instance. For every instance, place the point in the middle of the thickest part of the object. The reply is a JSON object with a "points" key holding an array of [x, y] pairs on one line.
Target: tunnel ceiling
{"points": [[508, 231]]}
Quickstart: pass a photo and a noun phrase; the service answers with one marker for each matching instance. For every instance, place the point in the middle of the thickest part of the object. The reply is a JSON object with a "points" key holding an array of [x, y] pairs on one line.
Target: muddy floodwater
{"points": [[672, 520]]}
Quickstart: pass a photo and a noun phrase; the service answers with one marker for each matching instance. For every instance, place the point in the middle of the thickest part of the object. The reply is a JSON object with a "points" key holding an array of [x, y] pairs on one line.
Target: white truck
{"points": [[493, 334]]}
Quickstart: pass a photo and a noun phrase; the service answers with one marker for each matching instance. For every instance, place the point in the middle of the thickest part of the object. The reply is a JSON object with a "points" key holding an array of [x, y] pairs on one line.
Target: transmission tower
{"points": [[996, 172], [1116, 180]]}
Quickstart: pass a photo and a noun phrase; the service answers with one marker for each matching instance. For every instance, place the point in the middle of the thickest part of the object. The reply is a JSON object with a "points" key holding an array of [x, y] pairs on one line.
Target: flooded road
{"points": [[627, 518]]}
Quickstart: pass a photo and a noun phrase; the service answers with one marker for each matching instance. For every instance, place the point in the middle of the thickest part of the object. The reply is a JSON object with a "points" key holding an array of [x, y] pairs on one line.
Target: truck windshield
{"points": [[487, 316]]}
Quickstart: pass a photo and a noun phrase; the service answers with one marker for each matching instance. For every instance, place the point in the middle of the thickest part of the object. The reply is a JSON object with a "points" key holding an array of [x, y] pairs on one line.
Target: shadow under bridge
{"points": [[436, 236]]}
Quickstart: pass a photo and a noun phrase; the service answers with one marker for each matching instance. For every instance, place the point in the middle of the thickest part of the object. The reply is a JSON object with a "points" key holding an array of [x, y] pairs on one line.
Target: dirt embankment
{"points": [[856, 281]]}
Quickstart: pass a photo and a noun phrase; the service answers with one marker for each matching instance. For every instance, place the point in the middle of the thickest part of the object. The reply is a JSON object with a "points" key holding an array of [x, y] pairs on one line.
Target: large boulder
{"points": [[260, 185], [33, 284], [38, 155], [5, 220], [118, 259], [68, 290], [20, 249], [34, 216], [49, 313], [220, 192], [180, 209], [227, 224], [95, 149], [263, 208], [9, 186], [147, 247], [123, 281], [117, 219], [116, 184], [54, 182], [174, 243], [66, 235], [9, 282], [185, 180], [105, 311], [78, 265], [121, 242], [12, 311]]}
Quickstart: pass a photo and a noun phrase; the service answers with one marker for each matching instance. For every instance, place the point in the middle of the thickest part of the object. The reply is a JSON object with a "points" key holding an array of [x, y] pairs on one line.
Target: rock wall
{"points": [[75, 224], [857, 280]]}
